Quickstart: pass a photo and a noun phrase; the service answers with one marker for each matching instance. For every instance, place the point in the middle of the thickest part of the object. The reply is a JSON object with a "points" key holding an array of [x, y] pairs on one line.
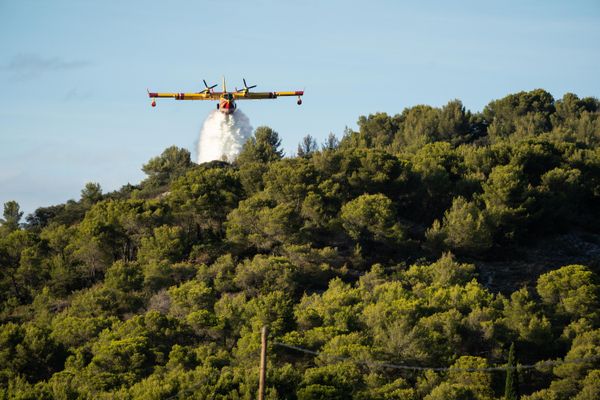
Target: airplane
{"points": [[226, 99]]}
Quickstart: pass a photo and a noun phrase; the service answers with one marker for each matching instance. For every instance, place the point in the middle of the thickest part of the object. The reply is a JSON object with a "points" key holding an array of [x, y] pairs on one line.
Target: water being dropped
{"points": [[222, 136]]}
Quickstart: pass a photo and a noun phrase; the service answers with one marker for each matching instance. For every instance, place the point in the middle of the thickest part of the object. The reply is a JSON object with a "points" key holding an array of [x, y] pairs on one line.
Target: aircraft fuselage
{"points": [[226, 104]]}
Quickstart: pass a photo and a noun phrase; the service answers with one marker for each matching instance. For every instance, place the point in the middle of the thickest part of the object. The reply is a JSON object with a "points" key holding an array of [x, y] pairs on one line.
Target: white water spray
{"points": [[222, 136]]}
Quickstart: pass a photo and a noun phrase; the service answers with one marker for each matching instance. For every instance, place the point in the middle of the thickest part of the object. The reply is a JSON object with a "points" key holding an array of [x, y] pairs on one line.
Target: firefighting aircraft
{"points": [[226, 99]]}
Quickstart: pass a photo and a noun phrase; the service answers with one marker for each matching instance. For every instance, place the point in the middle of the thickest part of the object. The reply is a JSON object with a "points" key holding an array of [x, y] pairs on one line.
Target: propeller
{"points": [[246, 88], [208, 88]]}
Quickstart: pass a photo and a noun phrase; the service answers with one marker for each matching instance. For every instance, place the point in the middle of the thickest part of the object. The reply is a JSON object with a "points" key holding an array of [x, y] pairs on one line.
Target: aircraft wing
{"points": [[264, 95], [187, 96]]}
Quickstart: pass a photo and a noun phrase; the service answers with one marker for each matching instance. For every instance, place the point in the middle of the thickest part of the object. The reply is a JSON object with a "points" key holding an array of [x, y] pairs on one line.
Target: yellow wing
{"points": [[245, 95], [187, 96]]}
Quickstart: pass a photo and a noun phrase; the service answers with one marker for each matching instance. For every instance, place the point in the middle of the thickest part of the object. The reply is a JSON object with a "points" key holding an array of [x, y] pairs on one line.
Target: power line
{"points": [[422, 368]]}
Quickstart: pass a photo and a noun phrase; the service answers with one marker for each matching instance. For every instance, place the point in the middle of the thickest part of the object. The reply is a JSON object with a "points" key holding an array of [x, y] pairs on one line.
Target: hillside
{"points": [[400, 261]]}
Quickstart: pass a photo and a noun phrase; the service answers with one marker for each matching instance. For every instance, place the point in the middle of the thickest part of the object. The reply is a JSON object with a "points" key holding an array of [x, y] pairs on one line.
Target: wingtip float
{"points": [[226, 100]]}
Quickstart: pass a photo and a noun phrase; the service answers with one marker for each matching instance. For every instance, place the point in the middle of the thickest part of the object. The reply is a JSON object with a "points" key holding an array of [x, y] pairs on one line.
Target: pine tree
{"points": [[12, 215], [307, 146], [511, 388]]}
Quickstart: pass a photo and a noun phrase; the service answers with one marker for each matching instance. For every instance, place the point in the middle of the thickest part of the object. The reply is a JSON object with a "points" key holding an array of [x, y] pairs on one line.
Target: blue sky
{"points": [[74, 73]]}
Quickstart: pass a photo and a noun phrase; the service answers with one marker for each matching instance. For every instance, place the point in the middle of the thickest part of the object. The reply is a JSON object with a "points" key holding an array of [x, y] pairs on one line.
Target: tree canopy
{"points": [[406, 260]]}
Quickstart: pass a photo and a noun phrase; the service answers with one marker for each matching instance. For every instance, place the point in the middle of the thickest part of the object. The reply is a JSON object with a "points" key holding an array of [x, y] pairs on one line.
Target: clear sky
{"points": [[74, 73]]}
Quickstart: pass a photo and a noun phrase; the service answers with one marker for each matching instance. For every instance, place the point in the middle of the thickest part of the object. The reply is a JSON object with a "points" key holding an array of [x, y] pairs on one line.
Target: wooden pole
{"points": [[263, 363]]}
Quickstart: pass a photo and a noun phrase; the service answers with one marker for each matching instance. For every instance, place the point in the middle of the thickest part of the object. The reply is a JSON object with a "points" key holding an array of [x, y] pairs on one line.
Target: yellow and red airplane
{"points": [[226, 99]]}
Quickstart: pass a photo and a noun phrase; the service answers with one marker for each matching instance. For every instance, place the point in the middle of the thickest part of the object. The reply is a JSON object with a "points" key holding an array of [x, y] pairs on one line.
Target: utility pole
{"points": [[263, 363]]}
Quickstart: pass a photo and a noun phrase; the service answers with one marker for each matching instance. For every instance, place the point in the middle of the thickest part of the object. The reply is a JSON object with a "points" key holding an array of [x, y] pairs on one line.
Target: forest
{"points": [[434, 254]]}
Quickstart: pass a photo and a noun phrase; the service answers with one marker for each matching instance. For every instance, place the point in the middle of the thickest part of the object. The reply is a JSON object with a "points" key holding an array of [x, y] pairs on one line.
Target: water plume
{"points": [[222, 136]]}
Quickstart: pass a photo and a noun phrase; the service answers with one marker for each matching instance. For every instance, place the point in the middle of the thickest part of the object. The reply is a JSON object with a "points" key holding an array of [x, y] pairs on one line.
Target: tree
{"points": [[172, 163], [464, 229], [131, 349], [559, 196], [454, 125], [332, 382], [274, 309], [42, 216], [440, 179], [261, 224], [506, 197], [73, 332], [12, 215], [419, 127], [375, 131], [191, 297], [124, 277], [511, 385], [263, 147], [577, 119], [375, 171], [256, 153], [202, 198], [445, 272], [157, 275], [503, 114], [91, 193], [264, 274], [580, 361], [29, 350], [465, 384], [331, 143], [522, 315], [110, 232], [65, 273], [164, 245], [14, 248], [307, 146], [288, 181], [591, 386], [535, 157], [572, 290], [371, 217]]}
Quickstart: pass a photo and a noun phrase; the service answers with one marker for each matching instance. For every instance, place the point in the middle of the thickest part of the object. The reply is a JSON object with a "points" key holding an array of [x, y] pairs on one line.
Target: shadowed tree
{"points": [[511, 387]]}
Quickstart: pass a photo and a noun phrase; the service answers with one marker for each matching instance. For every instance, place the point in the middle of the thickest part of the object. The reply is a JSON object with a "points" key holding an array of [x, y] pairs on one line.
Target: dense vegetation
{"points": [[366, 249]]}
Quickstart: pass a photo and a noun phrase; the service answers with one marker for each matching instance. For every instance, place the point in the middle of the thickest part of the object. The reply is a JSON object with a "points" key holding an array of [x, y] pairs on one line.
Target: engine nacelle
{"points": [[153, 104], [299, 101]]}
